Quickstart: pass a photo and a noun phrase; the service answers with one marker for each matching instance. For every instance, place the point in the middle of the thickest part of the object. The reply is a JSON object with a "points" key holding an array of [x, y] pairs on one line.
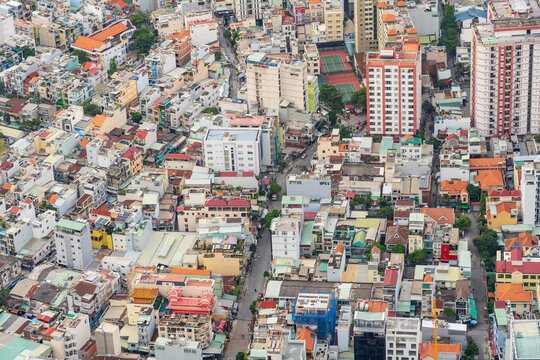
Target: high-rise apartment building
{"points": [[272, 80], [394, 88], [333, 19], [247, 8], [505, 82], [530, 190], [73, 244], [403, 337], [233, 149], [108, 339], [365, 35]]}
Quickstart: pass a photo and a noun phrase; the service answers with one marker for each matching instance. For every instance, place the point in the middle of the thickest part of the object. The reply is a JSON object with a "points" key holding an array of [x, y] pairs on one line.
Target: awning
{"points": [[472, 306]]}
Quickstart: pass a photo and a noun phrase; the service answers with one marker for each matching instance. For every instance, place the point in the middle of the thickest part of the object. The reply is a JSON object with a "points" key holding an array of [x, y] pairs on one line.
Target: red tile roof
{"points": [[178, 156], [391, 277]]}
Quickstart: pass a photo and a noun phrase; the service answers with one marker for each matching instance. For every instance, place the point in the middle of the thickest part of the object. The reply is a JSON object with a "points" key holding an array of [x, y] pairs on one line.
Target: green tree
{"points": [[487, 243], [537, 138], [381, 247], [483, 199], [275, 188], [113, 67], [359, 98], [91, 109], [450, 313], [463, 222], [331, 97], [83, 57], [345, 132], [211, 110], [7, 118], [428, 108], [143, 40], [28, 51], [462, 69], [136, 116], [472, 349], [4, 297], [218, 55], [266, 274], [368, 200], [450, 30], [241, 356], [332, 118], [139, 18], [386, 211], [474, 192], [271, 216], [399, 249], [417, 257]]}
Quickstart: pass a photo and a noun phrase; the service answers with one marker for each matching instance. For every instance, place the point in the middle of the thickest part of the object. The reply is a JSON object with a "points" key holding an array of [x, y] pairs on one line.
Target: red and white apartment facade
{"points": [[505, 83], [394, 88]]}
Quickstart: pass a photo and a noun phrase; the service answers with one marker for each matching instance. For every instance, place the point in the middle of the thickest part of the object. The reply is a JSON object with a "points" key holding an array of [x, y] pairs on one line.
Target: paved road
{"points": [[480, 332], [254, 284]]}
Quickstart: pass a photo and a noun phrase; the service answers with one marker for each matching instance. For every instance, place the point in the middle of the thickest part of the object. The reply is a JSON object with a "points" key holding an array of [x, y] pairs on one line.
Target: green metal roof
{"points": [[70, 225], [472, 306]]}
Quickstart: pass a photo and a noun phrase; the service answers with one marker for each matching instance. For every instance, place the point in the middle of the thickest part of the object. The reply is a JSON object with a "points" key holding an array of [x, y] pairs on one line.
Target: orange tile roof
{"points": [[84, 142], [7, 186], [110, 32], [443, 216], [505, 207], [185, 271], [428, 278], [411, 31], [454, 187], [512, 293], [179, 35], [87, 43], [524, 239], [428, 349], [376, 305], [144, 294], [388, 18], [309, 338], [99, 119], [53, 199], [401, 4], [486, 162], [381, 5], [313, 2], [489, 178]]}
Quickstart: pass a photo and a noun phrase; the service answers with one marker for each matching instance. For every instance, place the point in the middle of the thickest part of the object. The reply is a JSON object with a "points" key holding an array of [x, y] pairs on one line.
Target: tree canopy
{"points": [[487, 243], [211, 110], [91, 109], [331, 97], [218, 55], [270, 216], [463, 222], [417, 257], [83, 57], [474, 192], [359, 98], [139, 18], [450, 30], [399, 249], [275, 188], [28, 51], [136, 116], [143, 40]]}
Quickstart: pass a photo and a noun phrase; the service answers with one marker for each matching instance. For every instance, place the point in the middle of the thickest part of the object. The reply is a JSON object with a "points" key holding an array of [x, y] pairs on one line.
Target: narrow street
{"points": [[479, 332], [240, 335], [253, 285]]}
